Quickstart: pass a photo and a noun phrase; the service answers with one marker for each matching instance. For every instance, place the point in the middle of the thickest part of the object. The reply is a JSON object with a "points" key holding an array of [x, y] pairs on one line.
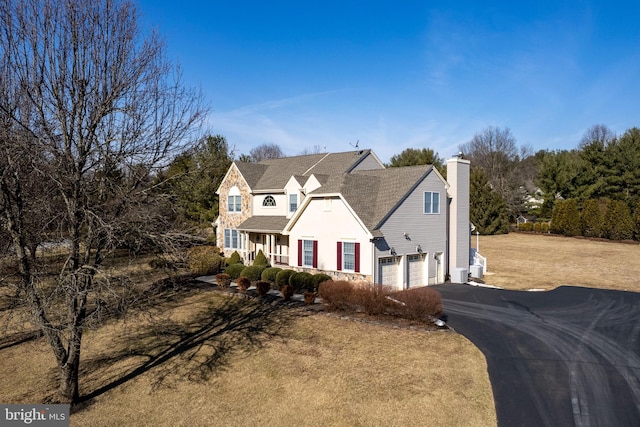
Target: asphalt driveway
{"points": [[566, 357]]}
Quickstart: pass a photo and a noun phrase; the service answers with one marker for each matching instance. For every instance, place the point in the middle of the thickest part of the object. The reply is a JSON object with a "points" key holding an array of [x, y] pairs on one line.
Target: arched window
{"points": [[269, 201]]}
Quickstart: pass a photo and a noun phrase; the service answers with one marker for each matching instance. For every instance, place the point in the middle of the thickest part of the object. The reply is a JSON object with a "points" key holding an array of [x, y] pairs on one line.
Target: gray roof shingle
{"points": [[273, 174], [373, 194], [273, 224]]}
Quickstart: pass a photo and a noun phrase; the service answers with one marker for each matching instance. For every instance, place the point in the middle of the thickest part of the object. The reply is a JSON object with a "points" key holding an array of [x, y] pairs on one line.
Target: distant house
{"points": [[347, 215]]}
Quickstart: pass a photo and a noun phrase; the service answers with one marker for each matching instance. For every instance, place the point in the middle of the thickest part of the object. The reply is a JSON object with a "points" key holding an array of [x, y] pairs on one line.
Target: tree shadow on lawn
{"points": [[191, 348]]}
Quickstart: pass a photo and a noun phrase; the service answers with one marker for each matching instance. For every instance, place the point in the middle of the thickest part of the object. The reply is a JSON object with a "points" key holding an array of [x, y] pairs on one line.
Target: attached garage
{"points": [[416, 270], [388, 271]]}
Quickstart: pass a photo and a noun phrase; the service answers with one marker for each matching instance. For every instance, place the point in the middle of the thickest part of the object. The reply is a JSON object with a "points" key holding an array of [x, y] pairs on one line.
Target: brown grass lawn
{"points": [[530, 261], [210, 359]]}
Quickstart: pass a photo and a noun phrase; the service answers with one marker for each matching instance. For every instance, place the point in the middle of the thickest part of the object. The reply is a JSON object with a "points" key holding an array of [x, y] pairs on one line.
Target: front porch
{"points": [[274, 246]]}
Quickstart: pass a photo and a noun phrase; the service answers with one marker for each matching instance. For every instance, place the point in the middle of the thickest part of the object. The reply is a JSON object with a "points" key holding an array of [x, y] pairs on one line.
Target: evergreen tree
{"points": [[593, 217], [636, 219], [619, 224], [572, 226], [488, 211], [557, 217]]}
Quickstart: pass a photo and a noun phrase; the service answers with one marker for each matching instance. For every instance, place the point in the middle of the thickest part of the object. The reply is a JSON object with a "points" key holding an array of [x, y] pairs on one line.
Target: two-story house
{"points": [[347, 215]]}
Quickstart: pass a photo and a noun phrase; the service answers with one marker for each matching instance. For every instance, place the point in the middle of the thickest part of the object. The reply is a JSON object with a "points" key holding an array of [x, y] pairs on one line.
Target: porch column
{"points": [[272, 248]]}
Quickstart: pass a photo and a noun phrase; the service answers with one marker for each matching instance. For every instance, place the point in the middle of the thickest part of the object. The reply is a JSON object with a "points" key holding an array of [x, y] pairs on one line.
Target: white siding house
{"points": [[347, 215]]}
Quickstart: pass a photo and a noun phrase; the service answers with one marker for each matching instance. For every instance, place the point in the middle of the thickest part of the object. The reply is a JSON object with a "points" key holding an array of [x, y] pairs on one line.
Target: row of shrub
{"points": [[299, 280], [206, 260], [605, 218], [536, 227], [421, 304]]}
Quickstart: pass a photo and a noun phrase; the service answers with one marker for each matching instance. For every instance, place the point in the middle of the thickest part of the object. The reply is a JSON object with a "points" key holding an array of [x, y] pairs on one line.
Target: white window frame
{"points": [[234, 203], [307, 253], [271, 203], [293, 203], [348, 257], [431, 196], [232, 235]]}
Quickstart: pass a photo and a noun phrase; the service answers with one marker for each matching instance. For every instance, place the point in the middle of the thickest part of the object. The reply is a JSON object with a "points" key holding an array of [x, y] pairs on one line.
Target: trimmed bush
{"points": [[223, 280], [301, 281], [261, 259], [309, 298], [234, 259], [287, 292], [269, 274], [253, 272], [545, 227], [234, 270], [243, 284], [319, 278], [282, 278], [263, 288], [205, 260]]}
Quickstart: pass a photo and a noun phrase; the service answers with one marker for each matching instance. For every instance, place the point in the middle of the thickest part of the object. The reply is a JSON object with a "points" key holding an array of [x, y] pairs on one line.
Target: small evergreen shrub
{"points": [[301, 281], [234, 259], [263, 288], [234, 270], [261, 259], [243, 284], [282, 277], [544, 228], [204, 260], [253, 272], [319, 278], [537, 227], [223, 280], [269, 274], [287, 292]]}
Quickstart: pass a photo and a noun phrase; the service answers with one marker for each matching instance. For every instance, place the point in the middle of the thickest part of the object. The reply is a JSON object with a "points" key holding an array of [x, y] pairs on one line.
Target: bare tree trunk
{"points": [[90, 107]]}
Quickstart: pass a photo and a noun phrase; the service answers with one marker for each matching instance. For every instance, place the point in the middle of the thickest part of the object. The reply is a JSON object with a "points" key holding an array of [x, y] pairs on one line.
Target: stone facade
{"points": [[232, 219]]}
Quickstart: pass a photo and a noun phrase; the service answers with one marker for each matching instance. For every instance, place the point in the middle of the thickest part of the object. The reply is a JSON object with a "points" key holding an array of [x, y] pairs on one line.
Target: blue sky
{"points": [[406, 74]]}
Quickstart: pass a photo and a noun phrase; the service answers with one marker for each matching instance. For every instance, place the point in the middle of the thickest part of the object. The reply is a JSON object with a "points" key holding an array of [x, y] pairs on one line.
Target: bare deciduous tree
{"points": [[494, 150], [266, 151], [89, 108]]}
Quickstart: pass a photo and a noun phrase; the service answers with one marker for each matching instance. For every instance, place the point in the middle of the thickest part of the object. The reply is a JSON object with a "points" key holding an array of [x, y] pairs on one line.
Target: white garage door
{"points": [[388, 271], [415, 270]]}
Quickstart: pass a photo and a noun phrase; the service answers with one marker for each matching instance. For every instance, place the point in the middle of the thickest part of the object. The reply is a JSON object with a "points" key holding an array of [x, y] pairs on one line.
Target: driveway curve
{"points": [[570, 356]]}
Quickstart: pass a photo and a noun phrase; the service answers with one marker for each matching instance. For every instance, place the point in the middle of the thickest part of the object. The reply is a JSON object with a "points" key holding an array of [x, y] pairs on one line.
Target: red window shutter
{"points": [[299, 252], [315, 254], [357, 256], [339, 259]]}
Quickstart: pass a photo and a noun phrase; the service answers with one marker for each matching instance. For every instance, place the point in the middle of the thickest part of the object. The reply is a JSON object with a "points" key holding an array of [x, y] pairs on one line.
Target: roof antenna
{"points": [[356, 147]]}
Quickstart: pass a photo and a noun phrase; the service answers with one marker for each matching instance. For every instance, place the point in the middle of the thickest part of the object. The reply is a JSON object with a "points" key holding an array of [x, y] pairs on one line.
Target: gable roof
{"points": [[273, 174], [375, 194]]}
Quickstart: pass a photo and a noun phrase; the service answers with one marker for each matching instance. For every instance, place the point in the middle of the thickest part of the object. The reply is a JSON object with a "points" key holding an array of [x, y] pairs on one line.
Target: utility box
{"points": [[459, 275], [476, 271]]}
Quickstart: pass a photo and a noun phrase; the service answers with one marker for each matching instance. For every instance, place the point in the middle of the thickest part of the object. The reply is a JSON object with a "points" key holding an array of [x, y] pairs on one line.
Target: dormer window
{"points": [[293, 202], [269, 202]]}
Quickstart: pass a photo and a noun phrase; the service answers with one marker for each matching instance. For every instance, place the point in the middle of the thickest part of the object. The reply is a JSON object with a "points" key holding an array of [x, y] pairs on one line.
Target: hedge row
{"points": [[605, 218]]}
